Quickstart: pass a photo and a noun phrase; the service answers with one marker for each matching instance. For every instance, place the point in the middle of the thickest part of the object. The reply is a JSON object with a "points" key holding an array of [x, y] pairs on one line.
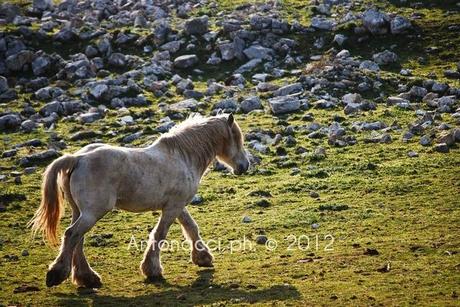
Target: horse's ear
{"points": [[230, 120]]}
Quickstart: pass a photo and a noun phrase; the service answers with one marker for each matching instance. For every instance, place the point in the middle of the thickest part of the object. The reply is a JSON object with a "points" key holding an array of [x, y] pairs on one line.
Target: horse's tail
{"points": [[47, 217]]}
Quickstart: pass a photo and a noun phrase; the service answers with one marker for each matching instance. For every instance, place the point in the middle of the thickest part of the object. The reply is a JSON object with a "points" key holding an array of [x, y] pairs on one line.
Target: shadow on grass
{"points": [[200, 291]]}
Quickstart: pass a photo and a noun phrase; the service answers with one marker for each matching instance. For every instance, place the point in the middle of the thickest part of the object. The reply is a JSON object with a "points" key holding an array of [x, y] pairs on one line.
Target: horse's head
{"points": [[233, 152]]}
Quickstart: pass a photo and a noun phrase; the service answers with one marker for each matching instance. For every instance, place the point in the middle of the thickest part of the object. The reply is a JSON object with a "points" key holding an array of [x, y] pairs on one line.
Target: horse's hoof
{"points": [[90, 281], [157, 279], [55, 277], [202, 259]]}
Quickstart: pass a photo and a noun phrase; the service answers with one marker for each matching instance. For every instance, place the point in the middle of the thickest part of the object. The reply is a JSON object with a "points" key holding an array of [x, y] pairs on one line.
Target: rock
{"points": [[322, 23], [184, 105], [172, 47], [16, 62], [161, 28], [395, 100], [369, 65], [425, 140], [284, 104], [41, 65], [185, 61], [247, 219], [99, 91], [196, 26], [3, 85], [375, 21], [343, 54], [89, 117], [28, 125], [261, 239], [183, 85], [399, 25], [131, 137], [412, 154], [442, 147], [117, 60], [258, 52], [418, 91], [446, 138], [250, 65], [227, 105], [250, 104], [42, 5], [197, 200], [439, 88], [127, 120], [385, 57], [65, 35], [227, 51], [9, 121], [140, 21], [82, 135], [351, 98], [289, 89], [340, 39], [40, 157], [9, 153]]}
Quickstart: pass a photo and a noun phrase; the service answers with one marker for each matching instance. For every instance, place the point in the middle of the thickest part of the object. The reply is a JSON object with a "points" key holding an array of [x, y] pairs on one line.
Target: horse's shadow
{"points": [[201, 291]]}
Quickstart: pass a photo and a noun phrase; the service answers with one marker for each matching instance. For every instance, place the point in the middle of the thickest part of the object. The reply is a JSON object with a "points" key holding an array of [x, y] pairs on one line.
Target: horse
{"points": [[161, 177]]}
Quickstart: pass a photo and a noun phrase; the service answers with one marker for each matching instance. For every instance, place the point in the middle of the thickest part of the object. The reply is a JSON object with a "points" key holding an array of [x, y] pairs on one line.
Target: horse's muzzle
{"points": [[241, 168]]}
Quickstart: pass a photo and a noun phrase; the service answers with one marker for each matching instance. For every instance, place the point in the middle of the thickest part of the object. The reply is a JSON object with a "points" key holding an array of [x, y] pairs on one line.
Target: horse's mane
{"points": [[197, 138]]}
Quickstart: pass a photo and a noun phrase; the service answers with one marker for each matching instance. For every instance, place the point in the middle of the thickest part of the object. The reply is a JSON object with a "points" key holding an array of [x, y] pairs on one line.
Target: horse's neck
{"points": [[197, 158]]}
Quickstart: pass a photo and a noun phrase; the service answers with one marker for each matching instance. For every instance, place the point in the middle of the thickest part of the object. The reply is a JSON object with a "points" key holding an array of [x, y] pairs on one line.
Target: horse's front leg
{"points": [[201, 255], [151, 265]]}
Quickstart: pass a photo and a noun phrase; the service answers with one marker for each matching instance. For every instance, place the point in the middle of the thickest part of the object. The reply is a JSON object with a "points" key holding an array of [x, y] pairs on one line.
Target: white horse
{"points": [[164, 176]]}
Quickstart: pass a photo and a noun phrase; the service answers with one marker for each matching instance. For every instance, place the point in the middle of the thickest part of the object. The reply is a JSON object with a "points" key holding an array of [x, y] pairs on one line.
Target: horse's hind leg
{"points": [[151, 265], [82, 274], [201, 255], [60, 269]]}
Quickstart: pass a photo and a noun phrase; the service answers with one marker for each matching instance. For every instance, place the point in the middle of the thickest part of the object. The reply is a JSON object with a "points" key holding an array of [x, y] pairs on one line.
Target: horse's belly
{"points": [[137, 203]]}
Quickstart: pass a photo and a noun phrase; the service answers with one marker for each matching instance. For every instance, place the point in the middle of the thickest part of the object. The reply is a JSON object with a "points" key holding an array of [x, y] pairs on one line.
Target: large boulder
{"points": [[284, 104], [196, 26], [375, 21], [186, 61]]}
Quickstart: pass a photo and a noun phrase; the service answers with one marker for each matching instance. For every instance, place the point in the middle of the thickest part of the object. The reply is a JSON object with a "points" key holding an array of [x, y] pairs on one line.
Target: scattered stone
{"points": [[289, 89], [247, 219], [186, 61], [250, 104], [442, 147], [196, 26], [400, 25], [284, 104], [261, 239], [385, 57], [375, 21]]}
